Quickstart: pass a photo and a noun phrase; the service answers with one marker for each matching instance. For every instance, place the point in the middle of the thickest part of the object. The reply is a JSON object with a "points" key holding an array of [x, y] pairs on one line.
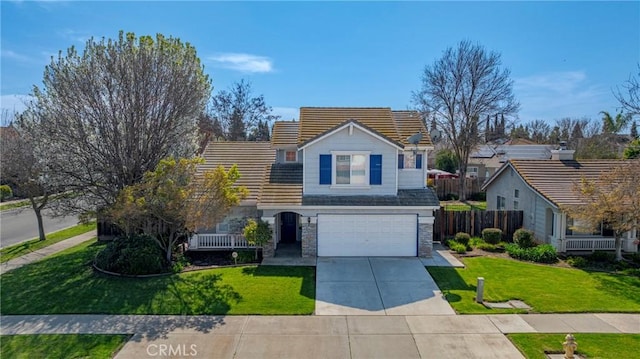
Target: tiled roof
{"points": [[409, 123], [555, 179], [282, 185], [251, 157], [285, 133], [424, 197], [316, 121]]}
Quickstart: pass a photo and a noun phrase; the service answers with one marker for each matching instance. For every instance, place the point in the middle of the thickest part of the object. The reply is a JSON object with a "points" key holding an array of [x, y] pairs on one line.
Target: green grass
{"points": [[29, 246], [65, 283], [61, 345], [12, 205], [619, 346], [546, 289], [466, 206]]}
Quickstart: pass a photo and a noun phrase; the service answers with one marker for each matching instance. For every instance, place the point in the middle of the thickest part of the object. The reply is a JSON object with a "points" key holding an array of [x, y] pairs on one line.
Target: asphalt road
{"points": [[20, 224]]}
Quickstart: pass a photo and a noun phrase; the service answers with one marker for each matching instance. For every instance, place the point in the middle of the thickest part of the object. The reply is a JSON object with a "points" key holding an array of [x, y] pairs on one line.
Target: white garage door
{"points": [[373, 235]]}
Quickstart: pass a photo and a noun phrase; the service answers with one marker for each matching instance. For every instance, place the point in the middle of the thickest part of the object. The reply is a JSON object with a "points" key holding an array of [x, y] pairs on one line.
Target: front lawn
{"points": [[65, 283], [619, 346], [547, 289], [20, 249], [61, 345]]}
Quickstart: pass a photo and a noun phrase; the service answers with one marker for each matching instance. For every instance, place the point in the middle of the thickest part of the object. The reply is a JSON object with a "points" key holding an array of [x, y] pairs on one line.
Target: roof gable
{"points": [[284, 134], [347, 124]]}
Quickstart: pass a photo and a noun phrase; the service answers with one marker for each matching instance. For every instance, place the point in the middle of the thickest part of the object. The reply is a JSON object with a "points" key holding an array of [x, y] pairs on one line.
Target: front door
{"points": [[288, 226]]}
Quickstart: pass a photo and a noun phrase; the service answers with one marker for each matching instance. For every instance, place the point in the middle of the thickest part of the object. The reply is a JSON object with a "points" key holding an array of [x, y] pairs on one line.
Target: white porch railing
{"points": [[589, 244], [218, 241]]}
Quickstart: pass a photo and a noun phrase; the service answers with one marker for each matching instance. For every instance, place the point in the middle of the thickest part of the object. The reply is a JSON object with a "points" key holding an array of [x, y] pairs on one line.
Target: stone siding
{"points": [[425, 240], [268, 250], [309, 240]]}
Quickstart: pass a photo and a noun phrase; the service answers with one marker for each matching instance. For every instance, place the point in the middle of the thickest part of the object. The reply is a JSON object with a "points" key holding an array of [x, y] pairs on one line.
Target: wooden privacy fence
{"points": [[448, 223], [446, 186]]}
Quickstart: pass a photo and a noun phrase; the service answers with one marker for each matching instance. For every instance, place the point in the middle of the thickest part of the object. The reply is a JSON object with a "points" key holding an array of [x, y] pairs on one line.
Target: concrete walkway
{"points": [[434, 336], [46, 251]]}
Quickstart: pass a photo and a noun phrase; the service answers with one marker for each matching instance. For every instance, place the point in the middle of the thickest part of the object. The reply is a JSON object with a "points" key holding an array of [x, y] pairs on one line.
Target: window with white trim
{"points": [[410, 160], [290, 156], [516, 193], [351, 169], [501, 203]]}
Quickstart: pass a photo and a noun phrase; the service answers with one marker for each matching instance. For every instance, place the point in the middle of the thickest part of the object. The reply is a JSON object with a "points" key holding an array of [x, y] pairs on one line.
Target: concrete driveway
{"points": [[376, 286]]}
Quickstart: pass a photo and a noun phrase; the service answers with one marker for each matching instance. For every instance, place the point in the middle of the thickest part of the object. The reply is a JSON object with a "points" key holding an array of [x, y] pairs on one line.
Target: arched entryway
{"points": [[289, 244]]}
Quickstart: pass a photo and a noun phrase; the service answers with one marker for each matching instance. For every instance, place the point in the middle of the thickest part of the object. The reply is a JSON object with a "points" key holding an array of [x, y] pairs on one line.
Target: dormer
{"points": [[284, 142]]}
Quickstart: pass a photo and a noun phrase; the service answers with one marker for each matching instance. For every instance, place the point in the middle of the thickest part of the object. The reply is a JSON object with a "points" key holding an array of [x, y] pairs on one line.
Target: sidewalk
{"points": [[46, 251], [433, 336]]}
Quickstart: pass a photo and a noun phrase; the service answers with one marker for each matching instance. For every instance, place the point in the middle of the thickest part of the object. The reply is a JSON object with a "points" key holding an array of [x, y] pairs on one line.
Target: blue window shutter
{"points": [[375, 169], [400, 161], [325, 169], [419, 160]]}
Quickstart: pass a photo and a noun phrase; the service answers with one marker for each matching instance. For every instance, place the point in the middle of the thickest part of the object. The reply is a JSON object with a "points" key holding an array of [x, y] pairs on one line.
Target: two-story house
{"points": [[343, 182]]}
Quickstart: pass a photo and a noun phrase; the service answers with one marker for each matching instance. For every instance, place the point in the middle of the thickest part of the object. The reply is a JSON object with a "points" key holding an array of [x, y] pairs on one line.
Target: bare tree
{"points": [[466, 84], [236, 113], [539, 131], [629, 95], [110, 114]]}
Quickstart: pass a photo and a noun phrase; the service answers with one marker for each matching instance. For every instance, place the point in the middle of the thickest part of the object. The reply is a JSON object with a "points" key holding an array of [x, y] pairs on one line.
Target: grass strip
{"points": [[20, 249], [590, 345], [61, 345]]}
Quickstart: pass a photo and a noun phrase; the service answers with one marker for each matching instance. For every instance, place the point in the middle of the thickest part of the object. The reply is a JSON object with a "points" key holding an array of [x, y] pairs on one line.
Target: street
{"points": [[18, 225]]}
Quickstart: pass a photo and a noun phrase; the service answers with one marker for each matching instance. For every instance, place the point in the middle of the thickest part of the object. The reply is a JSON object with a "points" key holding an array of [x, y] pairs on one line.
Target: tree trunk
{"points": [[618, 247], [40, 224], [462, 184]]}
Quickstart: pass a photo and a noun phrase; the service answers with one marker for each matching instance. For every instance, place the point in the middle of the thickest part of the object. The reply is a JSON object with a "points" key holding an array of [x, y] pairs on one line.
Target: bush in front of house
{"points": [[462, 238], [523, 238], [134, 255], [5, 192], [544, 253], [492, 235], [457, 247], [577, 262]]}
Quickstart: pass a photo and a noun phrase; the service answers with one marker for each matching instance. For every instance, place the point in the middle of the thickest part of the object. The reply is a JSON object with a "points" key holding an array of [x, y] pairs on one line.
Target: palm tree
{"points": [[614, 125]]}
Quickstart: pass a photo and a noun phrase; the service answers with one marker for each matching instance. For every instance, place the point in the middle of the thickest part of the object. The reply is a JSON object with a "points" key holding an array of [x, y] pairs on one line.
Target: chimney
{"points": [[562, 153]]}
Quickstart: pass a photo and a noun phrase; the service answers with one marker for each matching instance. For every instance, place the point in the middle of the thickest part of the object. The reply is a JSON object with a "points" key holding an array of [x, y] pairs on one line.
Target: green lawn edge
{"points": [[65, 283], [20, 249], [62, 345], [590, 345], [547, 289], [12, 205]]}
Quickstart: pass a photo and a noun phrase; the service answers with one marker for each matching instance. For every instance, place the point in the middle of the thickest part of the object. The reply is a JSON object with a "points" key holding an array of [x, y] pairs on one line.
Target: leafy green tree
{"points": [[111, 113], [613, 125], [612, 198], [634, 130], [175, 199], [463, 86], [446, 160], [238, 115], [632, 151], [257, 233]]}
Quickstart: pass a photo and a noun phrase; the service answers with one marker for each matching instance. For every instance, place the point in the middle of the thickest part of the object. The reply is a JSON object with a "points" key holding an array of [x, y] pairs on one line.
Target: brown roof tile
{"points": [[285, 133], [282, 185], [315, 121], [409, 123], [250, 157], [555, 179]]}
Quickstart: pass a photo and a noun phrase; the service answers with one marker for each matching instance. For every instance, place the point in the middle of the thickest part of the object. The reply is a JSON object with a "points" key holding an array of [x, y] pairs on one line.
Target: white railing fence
{"points": [[589, 244], [218, 241]]}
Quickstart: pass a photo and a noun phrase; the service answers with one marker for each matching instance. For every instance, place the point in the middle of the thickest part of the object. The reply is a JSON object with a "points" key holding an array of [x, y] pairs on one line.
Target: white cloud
{"points": [[286, 113], [554, 95], [243, 62], [9, 54], [73, 35]]}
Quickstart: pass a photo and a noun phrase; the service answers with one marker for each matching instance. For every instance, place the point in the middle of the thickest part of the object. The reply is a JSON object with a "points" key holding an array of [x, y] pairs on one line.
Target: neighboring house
{"points": [[488, 158], [342, 182], [540, 188]]}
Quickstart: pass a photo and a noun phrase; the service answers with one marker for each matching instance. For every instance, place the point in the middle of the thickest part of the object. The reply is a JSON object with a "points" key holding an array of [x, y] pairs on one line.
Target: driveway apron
{"points": [[376, 286]]}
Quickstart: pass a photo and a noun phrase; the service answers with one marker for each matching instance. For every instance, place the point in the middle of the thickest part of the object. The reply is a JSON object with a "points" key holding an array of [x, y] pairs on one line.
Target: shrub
{"points": [[5, 192], [451, 197], [134, 255], [457, 247], [492, 235], [462, 238], [488, 247], [600, 256], [245, 257], [476, 241], [544, 253], [523, 238], [577, 262], [478, 196]]}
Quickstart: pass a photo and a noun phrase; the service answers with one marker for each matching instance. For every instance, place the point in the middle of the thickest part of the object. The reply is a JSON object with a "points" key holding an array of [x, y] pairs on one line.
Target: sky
{"points": [[565, 58]]}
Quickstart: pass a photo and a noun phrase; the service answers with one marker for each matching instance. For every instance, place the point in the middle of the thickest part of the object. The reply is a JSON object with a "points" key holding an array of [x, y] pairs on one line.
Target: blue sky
{"points": [[565, 57]]}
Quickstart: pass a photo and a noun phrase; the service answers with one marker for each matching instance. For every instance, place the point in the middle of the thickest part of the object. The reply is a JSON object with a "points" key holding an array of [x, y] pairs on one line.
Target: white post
{"points": [[480, 290]]}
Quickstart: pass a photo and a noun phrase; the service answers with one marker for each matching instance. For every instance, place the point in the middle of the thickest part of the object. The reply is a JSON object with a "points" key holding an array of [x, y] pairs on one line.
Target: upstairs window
{"points": [[409, 160], [351, 170], [290, 156], [501, 203]]}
